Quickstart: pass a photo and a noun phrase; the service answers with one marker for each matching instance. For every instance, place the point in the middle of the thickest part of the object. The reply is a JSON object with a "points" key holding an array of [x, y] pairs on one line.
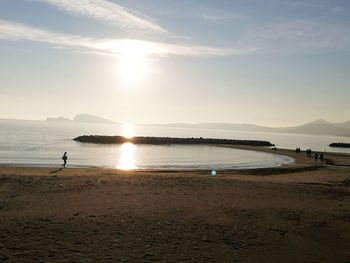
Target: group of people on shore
{"points": [[309, 154]]}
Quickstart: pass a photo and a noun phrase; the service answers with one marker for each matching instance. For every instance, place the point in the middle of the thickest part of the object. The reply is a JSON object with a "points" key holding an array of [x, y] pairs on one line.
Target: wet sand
{"points": [[295, 213]]}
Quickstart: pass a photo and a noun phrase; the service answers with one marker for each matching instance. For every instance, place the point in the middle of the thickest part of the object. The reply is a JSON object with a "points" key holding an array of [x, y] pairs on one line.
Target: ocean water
{"points": [[41, 143]]}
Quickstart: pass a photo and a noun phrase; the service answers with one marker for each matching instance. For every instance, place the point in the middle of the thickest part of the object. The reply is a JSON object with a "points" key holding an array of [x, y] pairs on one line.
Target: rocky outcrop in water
{"points": [[340, 145], [166, 140]]}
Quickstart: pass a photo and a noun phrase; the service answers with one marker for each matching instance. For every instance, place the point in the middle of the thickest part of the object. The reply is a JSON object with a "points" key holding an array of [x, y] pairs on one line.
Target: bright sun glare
{"points": [[127, 157], [128, 131], [133, 62], [127, 154]]}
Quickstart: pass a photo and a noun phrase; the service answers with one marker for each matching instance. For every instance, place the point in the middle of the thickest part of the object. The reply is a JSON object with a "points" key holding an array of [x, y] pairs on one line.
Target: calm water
{"points": [[40, 143]]}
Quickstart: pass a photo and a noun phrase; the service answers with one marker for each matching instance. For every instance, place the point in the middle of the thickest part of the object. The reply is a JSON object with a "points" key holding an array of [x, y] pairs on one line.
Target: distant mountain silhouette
{"points": [[85, 118], [59, 119], [90, 118], [318, 127], [345, 124], [321, 127], [220, 126]]}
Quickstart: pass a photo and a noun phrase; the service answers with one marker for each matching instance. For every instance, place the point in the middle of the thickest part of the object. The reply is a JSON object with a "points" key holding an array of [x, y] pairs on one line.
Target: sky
{"points": [[266, 62]]}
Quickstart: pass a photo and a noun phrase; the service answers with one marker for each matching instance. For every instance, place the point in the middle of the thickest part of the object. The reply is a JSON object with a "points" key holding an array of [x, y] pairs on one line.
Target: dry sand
{"points": [[296, 213]]}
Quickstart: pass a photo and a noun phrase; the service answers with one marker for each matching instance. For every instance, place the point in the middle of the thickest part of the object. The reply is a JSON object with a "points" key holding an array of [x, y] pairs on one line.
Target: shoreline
{"points": [[300, 160]]}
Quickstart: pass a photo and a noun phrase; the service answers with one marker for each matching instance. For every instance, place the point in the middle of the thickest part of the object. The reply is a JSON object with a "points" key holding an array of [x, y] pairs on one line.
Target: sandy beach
{"points": [[295, 213]]}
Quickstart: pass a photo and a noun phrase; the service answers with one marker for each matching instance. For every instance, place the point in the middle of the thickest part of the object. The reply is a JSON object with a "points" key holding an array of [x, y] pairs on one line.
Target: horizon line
{"points": [[175, 123]]}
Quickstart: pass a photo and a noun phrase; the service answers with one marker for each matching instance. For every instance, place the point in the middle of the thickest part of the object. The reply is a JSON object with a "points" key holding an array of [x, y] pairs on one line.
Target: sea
{"points": [[42, 144]]}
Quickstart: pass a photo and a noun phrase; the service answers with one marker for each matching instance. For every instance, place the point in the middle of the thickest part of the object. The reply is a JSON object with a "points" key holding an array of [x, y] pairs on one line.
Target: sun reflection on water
{"points": [[127, 157]]}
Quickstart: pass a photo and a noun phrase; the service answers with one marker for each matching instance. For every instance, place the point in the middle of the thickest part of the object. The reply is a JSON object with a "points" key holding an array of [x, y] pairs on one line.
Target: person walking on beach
{"points": [[64, 158]]}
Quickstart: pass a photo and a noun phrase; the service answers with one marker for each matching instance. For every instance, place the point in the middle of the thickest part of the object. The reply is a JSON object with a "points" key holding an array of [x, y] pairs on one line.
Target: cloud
{"points": [[336, 9], [105, 46], [315, 6], [305, 4], [222, 17], [293, 37], [108, 12], [297, 36]]}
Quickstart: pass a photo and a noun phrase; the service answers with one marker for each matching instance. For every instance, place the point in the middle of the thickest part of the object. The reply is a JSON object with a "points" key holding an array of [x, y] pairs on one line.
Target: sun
{"points": [[132, 68], [133, 63], [128, 131]]}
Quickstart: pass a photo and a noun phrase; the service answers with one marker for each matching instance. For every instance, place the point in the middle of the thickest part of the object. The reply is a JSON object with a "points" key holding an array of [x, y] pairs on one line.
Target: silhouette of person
{"points": [[321, 157], [316, 156], [64, 158]]}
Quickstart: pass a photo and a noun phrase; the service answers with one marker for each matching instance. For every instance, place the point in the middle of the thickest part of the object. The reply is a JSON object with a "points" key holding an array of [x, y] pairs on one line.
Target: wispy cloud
{"points": [[297, 36], [318, 6], [217, 17], [300, 36], [336, 9], [305, 4], [108, 12], [222, 17], [19, 32]]}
